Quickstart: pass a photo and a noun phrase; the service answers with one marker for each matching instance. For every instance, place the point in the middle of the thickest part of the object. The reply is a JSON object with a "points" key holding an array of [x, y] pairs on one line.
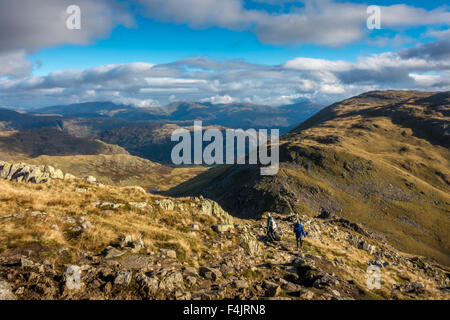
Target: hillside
{"points": [[11, 120], [380, 159], [126, 244], [22, 144], [151, 142], [120, 170]]}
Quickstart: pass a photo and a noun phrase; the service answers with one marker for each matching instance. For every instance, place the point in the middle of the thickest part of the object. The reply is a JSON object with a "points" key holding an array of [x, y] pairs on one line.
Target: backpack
{"points": [[298, 229]]}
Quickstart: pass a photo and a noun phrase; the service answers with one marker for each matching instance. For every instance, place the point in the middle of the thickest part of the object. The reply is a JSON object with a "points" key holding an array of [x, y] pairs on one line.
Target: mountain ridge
{"points": [[360, 159]]}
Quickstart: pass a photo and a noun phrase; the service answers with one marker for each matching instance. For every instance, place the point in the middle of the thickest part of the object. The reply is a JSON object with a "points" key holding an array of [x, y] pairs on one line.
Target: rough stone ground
{"points": [[233, 259], [241, 264]]}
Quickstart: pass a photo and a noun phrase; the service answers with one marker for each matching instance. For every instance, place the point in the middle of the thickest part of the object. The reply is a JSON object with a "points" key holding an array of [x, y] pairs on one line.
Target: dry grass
{"points": [[158, 228]]}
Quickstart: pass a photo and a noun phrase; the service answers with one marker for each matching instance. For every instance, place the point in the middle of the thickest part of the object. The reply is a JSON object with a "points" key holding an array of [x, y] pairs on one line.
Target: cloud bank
{"points": [[425, 67], [322, 22]]}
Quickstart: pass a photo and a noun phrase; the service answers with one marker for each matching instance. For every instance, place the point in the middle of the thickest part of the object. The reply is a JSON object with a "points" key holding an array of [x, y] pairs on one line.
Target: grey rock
{"points": [[210, 273], [111, 253], [25, 262], [6, 291], [90, 179], [221, 228], [150, 285], [170, 253], [190, 271], [171, 281], [272, 289], [123, 278], [240, 284]]}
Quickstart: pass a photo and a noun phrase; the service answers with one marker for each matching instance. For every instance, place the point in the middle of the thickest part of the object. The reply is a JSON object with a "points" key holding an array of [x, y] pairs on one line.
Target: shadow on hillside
{"points": [[34, 143]]}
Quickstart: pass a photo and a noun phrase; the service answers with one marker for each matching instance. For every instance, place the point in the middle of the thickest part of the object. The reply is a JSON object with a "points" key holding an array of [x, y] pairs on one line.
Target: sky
{"points": [[153, 52]]}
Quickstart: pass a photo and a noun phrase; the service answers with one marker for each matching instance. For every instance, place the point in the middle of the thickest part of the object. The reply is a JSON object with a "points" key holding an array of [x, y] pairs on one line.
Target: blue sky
{"points": [[258, 51]]}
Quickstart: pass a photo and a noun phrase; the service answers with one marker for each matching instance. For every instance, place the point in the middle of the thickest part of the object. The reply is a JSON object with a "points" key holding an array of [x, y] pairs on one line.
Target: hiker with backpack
{"points": [[299, 234], [271, 226]]}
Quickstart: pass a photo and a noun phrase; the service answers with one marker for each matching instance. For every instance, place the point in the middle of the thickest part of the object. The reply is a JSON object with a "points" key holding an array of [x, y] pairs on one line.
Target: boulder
{"points": [[190, 271], [69, 176], [123, 278], [212, 208], [5, 168], [149, 285], [57, 174], [171, 281], [240, 284], [139, 205], [169, 253], [111, 253], [128, 243], [220, 228], [6, 291], [272, 289], [22, 172], [25, 262], [35, 176], [210, 273], [90, 179], [249, 242], [166, 204]]}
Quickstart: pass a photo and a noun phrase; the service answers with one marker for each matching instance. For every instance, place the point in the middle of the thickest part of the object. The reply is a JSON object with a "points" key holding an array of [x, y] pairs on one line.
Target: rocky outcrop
{"points": [[212, 208], [22, 172]]}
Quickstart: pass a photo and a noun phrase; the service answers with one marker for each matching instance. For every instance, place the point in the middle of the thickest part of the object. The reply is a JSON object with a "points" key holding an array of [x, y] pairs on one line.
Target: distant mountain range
{"points": [[145, 132], [232, 115]]}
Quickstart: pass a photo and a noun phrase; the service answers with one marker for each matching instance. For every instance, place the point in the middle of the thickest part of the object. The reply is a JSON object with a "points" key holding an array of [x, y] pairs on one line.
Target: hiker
{"points": [[271, 226], [299, 233]]}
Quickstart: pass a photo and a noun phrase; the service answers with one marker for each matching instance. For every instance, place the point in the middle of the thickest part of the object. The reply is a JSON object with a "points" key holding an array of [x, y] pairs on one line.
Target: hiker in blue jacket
{"points": [[299, 233]]}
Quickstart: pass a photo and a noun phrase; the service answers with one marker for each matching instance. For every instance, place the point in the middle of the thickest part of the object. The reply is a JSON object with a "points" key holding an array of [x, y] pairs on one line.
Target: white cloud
{"points": [[309, 64], [218, 99], [425, 80], [14, 64], [139, 103]]}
